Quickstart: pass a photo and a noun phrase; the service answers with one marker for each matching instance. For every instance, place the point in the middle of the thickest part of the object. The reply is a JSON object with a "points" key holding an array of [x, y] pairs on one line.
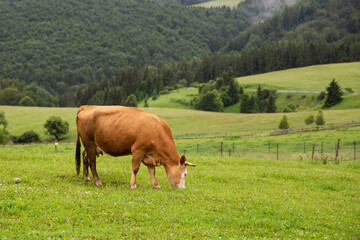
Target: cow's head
{"points": [[177, 174]]}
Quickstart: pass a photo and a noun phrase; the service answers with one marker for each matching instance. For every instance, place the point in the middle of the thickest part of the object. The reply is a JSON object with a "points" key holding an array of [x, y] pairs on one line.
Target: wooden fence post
{"points": [[313, 151], [337, 152]]}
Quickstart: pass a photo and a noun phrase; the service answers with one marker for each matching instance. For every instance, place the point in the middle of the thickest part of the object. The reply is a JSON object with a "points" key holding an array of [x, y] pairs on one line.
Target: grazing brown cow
{"points": [[118, 131]]}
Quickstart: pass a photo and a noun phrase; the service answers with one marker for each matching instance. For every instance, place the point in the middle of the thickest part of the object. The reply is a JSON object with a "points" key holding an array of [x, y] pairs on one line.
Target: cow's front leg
{"points": [[153, 178], [86, 166]]}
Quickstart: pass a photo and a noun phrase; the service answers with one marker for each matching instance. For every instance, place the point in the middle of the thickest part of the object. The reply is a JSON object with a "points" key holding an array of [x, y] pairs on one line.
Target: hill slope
{"points": [[77, 41], [183, 122], [315, 77]]}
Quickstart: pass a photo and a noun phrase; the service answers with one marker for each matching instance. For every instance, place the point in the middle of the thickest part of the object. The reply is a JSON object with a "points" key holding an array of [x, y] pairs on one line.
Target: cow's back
{"points": [[117, 130]]}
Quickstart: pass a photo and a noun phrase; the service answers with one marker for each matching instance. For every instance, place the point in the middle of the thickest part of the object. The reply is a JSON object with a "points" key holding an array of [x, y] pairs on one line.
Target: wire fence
{"points": [[324, 151]]}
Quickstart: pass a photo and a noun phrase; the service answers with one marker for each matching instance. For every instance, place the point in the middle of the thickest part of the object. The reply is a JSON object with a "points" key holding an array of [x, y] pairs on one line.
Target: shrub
{"points": [[309, 120], [320, 119], [28, 137], [284, 124], [131, 101], [290, 108], [27, 101], [321, 96], [2, 136]]}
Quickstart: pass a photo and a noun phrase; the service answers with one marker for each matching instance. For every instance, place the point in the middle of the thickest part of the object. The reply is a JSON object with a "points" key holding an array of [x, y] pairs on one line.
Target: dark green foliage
{"points": [[28, 137], [27, 101], [79, 41], [209, 101], [334, 94], [320, 120], [321, 96], [2, 136], [310, 120], [56, 127], [263, 101], [131, 101], [284, 123], [290, 108], [3, 121]]}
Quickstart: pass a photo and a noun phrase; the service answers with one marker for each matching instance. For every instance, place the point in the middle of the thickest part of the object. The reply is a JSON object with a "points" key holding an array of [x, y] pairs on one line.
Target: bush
{"points": [[284, 124], [320, 120], [309, 120], [290, 108], [28, 137], [2, 136], [321, 96], [27, 101]]}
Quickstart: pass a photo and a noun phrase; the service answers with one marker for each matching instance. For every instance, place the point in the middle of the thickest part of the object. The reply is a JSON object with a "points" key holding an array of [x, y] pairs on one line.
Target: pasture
{"points": [[316, 77], [183, 122], [229, 198], [219, 3]]}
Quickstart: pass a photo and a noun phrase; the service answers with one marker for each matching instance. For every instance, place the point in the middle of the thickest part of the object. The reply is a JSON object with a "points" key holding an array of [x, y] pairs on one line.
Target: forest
{"points": [[93, 52]]}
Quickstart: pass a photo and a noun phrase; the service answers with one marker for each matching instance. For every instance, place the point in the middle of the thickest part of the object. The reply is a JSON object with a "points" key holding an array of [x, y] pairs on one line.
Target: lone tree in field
{"points": [[334, 94], [57, 127], [320, 120], [284, 124]]}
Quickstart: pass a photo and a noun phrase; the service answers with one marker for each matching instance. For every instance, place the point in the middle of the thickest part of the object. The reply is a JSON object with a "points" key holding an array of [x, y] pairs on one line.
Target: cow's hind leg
{"points": [[91, 154], [86, 167], [153, 178], [137, 157]]}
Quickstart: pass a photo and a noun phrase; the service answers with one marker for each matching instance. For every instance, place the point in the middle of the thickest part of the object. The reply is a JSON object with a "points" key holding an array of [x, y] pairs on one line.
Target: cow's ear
{"points": [[182, 159], [190, 164]]}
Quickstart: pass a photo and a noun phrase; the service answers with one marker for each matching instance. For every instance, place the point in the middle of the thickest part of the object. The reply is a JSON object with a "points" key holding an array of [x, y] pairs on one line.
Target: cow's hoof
{"points": [[157, 186], [98, 184], [87, 179], [133, 186]]}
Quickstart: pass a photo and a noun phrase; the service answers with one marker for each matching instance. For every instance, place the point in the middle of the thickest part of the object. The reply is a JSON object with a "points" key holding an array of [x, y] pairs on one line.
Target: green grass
{"points": [[308, 78], [179, 98], [183, 122], [228, 198], [219, 3]]}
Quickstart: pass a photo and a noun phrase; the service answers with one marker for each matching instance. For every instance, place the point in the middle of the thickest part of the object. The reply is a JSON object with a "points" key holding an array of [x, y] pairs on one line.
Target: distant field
{"points": [[179, 98], [308, 78], [183, 122], [219, 3]]}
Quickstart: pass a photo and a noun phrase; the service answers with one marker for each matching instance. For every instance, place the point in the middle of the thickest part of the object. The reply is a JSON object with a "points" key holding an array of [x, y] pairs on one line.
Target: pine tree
{"points": [[334, 94]]}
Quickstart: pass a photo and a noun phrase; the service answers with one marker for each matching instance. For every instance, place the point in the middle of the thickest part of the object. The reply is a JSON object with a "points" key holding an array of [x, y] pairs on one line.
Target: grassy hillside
{"points": [[183, 122], [316, 77], [179, 98], [219, 3]]}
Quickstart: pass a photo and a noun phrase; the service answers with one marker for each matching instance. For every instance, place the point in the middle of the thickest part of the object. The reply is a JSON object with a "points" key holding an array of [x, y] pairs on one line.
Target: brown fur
{"points": [[119, 131]]}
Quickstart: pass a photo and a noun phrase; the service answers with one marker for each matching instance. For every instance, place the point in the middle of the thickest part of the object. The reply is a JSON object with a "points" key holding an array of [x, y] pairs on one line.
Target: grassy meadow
{"points": [[183, 122], [316, 77], [219, 3], [228, 198]]}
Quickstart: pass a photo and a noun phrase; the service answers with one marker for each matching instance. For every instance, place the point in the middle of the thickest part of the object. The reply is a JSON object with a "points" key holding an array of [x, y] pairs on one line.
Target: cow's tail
{"points": [[77, 155]]}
